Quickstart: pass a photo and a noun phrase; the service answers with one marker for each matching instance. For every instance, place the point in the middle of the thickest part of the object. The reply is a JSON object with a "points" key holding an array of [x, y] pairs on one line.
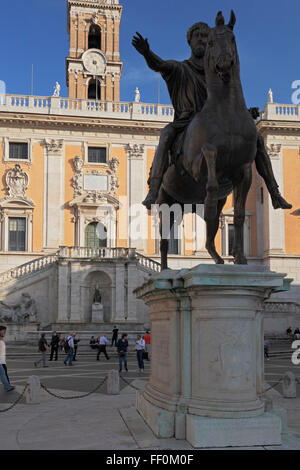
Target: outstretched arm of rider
{"points": [[154, 62]]}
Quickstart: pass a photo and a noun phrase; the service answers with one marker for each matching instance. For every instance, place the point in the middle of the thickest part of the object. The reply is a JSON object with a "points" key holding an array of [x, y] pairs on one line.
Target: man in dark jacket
{"points": [[54, 346], [122, 346], [114, 336], [42, 348]]}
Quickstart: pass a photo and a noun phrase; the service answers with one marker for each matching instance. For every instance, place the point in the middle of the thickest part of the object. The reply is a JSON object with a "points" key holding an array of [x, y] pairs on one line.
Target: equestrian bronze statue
{"points": [[213, 140]]}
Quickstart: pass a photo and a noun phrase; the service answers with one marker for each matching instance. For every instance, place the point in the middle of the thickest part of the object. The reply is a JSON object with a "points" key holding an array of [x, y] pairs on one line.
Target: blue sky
{"points": [[267, 33]]}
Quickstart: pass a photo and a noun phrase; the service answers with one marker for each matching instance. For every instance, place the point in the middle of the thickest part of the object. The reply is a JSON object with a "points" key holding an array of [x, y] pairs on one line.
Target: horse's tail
{"points": [[209, 152]]}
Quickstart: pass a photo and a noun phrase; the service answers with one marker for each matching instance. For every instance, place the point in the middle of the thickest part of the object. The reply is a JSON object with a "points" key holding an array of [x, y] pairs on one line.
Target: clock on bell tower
{"points": [[93, 67]]}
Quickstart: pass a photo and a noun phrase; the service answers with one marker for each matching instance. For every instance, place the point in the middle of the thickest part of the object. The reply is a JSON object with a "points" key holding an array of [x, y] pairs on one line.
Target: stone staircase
{"points": [[94, 254], [29, 268]]}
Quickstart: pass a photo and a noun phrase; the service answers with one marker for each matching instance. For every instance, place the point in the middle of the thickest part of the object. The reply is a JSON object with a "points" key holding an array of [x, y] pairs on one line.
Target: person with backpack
{"points": [[42, 348], [69, 349]]}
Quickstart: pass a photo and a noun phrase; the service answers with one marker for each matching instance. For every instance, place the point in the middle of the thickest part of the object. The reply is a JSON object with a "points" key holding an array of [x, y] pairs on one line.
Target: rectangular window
{"points": [[16, 234], [97, 155], [18, 150]]}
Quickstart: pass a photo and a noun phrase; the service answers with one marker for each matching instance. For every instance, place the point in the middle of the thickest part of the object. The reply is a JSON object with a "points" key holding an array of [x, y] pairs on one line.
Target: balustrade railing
{"points": [[281, 112], [27, 268], [78, 252], [112, 253], [96, 108]]}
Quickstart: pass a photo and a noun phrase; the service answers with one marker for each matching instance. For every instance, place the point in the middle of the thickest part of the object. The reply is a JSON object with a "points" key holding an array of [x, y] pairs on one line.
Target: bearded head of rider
{"points": [[197, 38]]}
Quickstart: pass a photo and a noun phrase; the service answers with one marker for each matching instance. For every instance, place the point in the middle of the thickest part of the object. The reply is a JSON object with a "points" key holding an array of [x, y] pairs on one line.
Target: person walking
{"points": [[122, 346], [76, 341], [3, 369], [114, 336], [147, 338], [140, 349], [266, 349], [54, 346], [69, 348], [42, 348], [102, 347]]}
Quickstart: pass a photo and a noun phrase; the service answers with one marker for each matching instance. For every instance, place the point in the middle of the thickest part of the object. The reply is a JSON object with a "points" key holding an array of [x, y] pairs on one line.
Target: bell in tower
{"points": [[93, 66]]}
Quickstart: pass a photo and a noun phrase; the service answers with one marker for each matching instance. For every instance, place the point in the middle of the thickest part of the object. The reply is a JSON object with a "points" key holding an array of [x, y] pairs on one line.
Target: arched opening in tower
{"points": [[95, 37], [94, 90]]}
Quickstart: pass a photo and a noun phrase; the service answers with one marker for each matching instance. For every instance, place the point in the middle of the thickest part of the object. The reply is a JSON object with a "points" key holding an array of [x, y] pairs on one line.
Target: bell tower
{"points": [[93, 67]]}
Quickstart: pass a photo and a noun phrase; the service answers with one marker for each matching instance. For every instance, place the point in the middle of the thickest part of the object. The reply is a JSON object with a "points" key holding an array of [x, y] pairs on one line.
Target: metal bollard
{"points": [[113, 383], [33, 392], [289, 385]]}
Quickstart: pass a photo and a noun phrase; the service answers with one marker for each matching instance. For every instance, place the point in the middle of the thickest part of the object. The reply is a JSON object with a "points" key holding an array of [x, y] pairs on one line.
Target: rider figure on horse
{"points": [[187, 88]]}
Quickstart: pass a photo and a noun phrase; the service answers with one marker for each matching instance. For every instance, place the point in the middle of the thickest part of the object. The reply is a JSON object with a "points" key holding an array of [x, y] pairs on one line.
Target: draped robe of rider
{"points": [[187, 89]]}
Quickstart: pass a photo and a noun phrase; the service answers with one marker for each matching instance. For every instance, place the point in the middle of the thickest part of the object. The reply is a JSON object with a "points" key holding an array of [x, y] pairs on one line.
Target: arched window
{"points": [[95, 37], [95, 235], [94, 90]]}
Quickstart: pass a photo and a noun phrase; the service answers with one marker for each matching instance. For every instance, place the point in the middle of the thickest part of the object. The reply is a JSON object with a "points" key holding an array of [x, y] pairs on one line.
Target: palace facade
{"points": [[74, 172]]}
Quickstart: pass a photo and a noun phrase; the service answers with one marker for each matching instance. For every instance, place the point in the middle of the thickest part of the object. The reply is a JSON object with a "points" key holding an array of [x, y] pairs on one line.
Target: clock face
{"points": [[94, 62]]}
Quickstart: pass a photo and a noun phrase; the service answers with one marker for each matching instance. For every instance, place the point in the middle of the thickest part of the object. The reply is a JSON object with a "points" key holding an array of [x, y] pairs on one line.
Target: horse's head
{"points": [[221, 53]]}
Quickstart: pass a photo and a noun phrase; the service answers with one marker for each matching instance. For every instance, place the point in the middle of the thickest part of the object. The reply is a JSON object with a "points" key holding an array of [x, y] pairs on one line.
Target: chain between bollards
{"points": [[130, 385], [16, 402], [272, 386], [74, 397]]}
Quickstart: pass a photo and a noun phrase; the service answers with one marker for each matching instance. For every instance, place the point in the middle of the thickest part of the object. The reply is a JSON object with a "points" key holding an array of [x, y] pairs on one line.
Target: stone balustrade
{"points": [[281, 112], [28, 268], [110, 253], [87, 108], [82, 253]]}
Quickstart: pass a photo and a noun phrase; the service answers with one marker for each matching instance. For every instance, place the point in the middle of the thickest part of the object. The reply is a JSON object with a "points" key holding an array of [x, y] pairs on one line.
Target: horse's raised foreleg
{"points": [[212, 226], [240, 193], [211, 201]]}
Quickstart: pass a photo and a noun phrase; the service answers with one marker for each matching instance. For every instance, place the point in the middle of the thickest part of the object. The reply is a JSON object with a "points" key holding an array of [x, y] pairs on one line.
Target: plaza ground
{"points": [[100, 421]]}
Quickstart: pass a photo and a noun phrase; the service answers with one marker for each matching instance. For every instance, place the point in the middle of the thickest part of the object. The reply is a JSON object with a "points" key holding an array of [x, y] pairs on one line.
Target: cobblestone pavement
{"points": [[83, 376], [56, 424]]}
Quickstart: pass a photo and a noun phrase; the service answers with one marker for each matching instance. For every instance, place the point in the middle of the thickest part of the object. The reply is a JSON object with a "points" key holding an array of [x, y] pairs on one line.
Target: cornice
{"points": [[280, 126], [86, 123]]}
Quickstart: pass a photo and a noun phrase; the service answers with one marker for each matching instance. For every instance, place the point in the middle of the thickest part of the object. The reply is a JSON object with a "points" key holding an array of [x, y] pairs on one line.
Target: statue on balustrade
{"points": [[208, 102], [24, 311]]}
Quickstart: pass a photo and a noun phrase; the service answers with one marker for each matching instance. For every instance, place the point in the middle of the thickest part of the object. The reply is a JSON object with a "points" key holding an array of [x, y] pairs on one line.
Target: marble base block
{"points": [[97, 313], [207, 355], [263, 430]]}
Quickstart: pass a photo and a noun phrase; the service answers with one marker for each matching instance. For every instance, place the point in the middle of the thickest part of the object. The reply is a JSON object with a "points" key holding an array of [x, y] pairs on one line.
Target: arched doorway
{"points": [[94, 37], [96, 235], [102, 282], [94, 90]]}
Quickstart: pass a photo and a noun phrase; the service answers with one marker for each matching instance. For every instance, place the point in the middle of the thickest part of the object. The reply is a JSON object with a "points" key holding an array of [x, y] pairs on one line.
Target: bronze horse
{"points": [[219, 147]]}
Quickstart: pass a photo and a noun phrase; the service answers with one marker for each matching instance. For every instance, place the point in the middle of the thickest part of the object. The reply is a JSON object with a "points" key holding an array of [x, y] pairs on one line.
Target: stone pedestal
{"points": [[97, 313], [207, 355]]}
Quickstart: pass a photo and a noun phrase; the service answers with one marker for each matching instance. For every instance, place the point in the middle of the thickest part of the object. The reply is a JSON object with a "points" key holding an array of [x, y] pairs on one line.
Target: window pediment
{"points": [[16, 203]]}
